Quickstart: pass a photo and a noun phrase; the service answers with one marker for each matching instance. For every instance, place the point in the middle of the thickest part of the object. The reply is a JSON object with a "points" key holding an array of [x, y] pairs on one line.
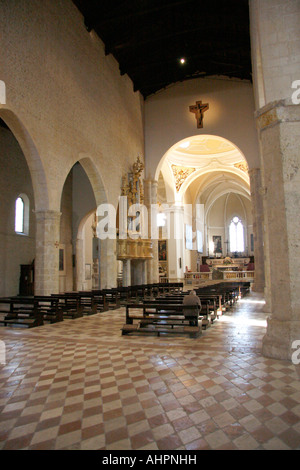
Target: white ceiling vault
{"points": [[188, 161]]}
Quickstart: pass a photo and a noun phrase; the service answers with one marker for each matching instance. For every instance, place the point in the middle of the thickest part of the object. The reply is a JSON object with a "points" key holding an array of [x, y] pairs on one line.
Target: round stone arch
{"points": [[108, 257], [108, 260], [31, 154], [197, 154], [44, 258]]}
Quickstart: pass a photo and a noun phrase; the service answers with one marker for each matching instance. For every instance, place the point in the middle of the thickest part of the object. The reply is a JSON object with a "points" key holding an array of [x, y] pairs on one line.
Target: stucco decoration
{"points": [[181, 173]]}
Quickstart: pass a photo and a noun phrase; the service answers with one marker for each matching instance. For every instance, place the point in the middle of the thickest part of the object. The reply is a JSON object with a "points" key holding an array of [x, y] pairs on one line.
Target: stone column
{"points": [[150, 195], [258, 229], [79, 281], [279, 130], [47, 252], [274, 27], [126, 273]]}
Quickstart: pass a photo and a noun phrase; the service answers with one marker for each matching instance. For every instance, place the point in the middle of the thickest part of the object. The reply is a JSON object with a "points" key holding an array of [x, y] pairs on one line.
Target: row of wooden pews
{"points": [[29, 311], [166, 314], [36, 310]]}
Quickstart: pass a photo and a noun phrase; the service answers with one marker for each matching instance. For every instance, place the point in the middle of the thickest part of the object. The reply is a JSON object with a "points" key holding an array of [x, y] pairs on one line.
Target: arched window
{"points": [[19, 215], [22, 214], [236, 235]]}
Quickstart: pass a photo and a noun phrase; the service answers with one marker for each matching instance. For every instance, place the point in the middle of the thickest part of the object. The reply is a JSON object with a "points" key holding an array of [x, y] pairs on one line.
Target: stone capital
{"points": [[47, 215], [276, 113]]}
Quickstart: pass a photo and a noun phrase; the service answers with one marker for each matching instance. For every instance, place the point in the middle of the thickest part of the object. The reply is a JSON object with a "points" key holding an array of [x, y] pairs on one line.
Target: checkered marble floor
{"points": [[81, 385]]}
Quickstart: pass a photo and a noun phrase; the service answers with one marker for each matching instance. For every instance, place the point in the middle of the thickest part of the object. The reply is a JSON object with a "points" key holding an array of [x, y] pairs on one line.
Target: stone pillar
{"points": [[79, 281], [274, 27], [150, 197], [47, 252], [108, 263], [126, 279], [139, 272], [96, 280], [279, 130], [258, 229]]}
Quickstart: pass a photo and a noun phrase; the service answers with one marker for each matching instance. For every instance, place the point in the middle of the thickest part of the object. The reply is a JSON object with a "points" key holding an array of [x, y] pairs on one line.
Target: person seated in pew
{"points": [[191, 299]]}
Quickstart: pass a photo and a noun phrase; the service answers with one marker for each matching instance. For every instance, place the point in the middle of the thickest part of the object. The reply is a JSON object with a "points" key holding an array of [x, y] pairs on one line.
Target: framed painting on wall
{"points": [[162, 250], [217, 241], [88, 272]]}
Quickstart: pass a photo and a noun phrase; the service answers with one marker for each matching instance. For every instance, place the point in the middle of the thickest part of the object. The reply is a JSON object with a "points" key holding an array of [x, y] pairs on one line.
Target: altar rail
{"points": [[196, 278]]}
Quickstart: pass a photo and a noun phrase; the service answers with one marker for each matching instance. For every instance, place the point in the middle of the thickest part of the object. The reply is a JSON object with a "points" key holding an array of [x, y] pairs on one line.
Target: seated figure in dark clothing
{"points": [[191, 299]]}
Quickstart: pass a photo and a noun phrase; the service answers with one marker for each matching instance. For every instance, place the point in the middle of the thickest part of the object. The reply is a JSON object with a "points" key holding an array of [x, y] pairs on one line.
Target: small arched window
{"points": [[22, 214], [236, 235], [19, 215]]}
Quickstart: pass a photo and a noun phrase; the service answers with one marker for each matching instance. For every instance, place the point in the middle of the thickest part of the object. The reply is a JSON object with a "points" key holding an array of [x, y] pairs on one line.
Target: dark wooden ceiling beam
{"points": [[116, 16], [192, 61], [147, 38], [207, 33]]}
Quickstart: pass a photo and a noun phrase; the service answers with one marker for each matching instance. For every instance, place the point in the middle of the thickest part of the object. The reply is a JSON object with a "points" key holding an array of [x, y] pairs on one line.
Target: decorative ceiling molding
{"points": [[181, 173], [242, 166]]}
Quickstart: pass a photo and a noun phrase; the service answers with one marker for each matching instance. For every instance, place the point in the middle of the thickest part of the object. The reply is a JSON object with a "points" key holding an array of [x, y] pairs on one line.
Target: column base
{"points": [[278, 341], [258, 287]]}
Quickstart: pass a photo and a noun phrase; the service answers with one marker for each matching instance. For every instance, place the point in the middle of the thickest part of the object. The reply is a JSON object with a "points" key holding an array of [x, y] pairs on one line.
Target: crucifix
{"points": [[199, 110]]}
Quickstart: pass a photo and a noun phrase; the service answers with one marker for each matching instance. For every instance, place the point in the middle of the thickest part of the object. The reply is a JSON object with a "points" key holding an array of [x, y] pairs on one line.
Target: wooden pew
{"points": [[22, 311], [93, 302], [49, 308], [162, 318], [111, 297], [207, 312], [140, 291], [69, 304]]}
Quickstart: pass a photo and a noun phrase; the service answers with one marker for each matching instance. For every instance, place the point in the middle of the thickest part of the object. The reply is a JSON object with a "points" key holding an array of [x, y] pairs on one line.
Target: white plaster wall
{"points": [[230, 115], [69, 96]]}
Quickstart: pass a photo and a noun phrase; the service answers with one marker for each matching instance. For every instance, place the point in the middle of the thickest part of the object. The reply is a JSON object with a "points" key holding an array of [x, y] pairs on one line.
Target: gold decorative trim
{"points": [[242, 166], [181, 173]]}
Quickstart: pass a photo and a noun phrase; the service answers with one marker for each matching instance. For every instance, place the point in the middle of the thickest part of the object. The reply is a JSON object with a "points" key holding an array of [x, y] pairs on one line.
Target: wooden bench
{"points": [[69, 304], [139, 292], [207, 312], [111, 298], [162, 318], [93, 302], [21, 311], [49, 308]]}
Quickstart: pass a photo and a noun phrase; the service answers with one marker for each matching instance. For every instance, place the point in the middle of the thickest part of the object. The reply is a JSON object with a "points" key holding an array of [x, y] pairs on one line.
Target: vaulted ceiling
{"points": [[148, 38]]}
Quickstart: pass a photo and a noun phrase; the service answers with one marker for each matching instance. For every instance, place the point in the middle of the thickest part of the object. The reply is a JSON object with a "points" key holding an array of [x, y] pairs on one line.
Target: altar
{"points": [[228, 264], [226, 269]]}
